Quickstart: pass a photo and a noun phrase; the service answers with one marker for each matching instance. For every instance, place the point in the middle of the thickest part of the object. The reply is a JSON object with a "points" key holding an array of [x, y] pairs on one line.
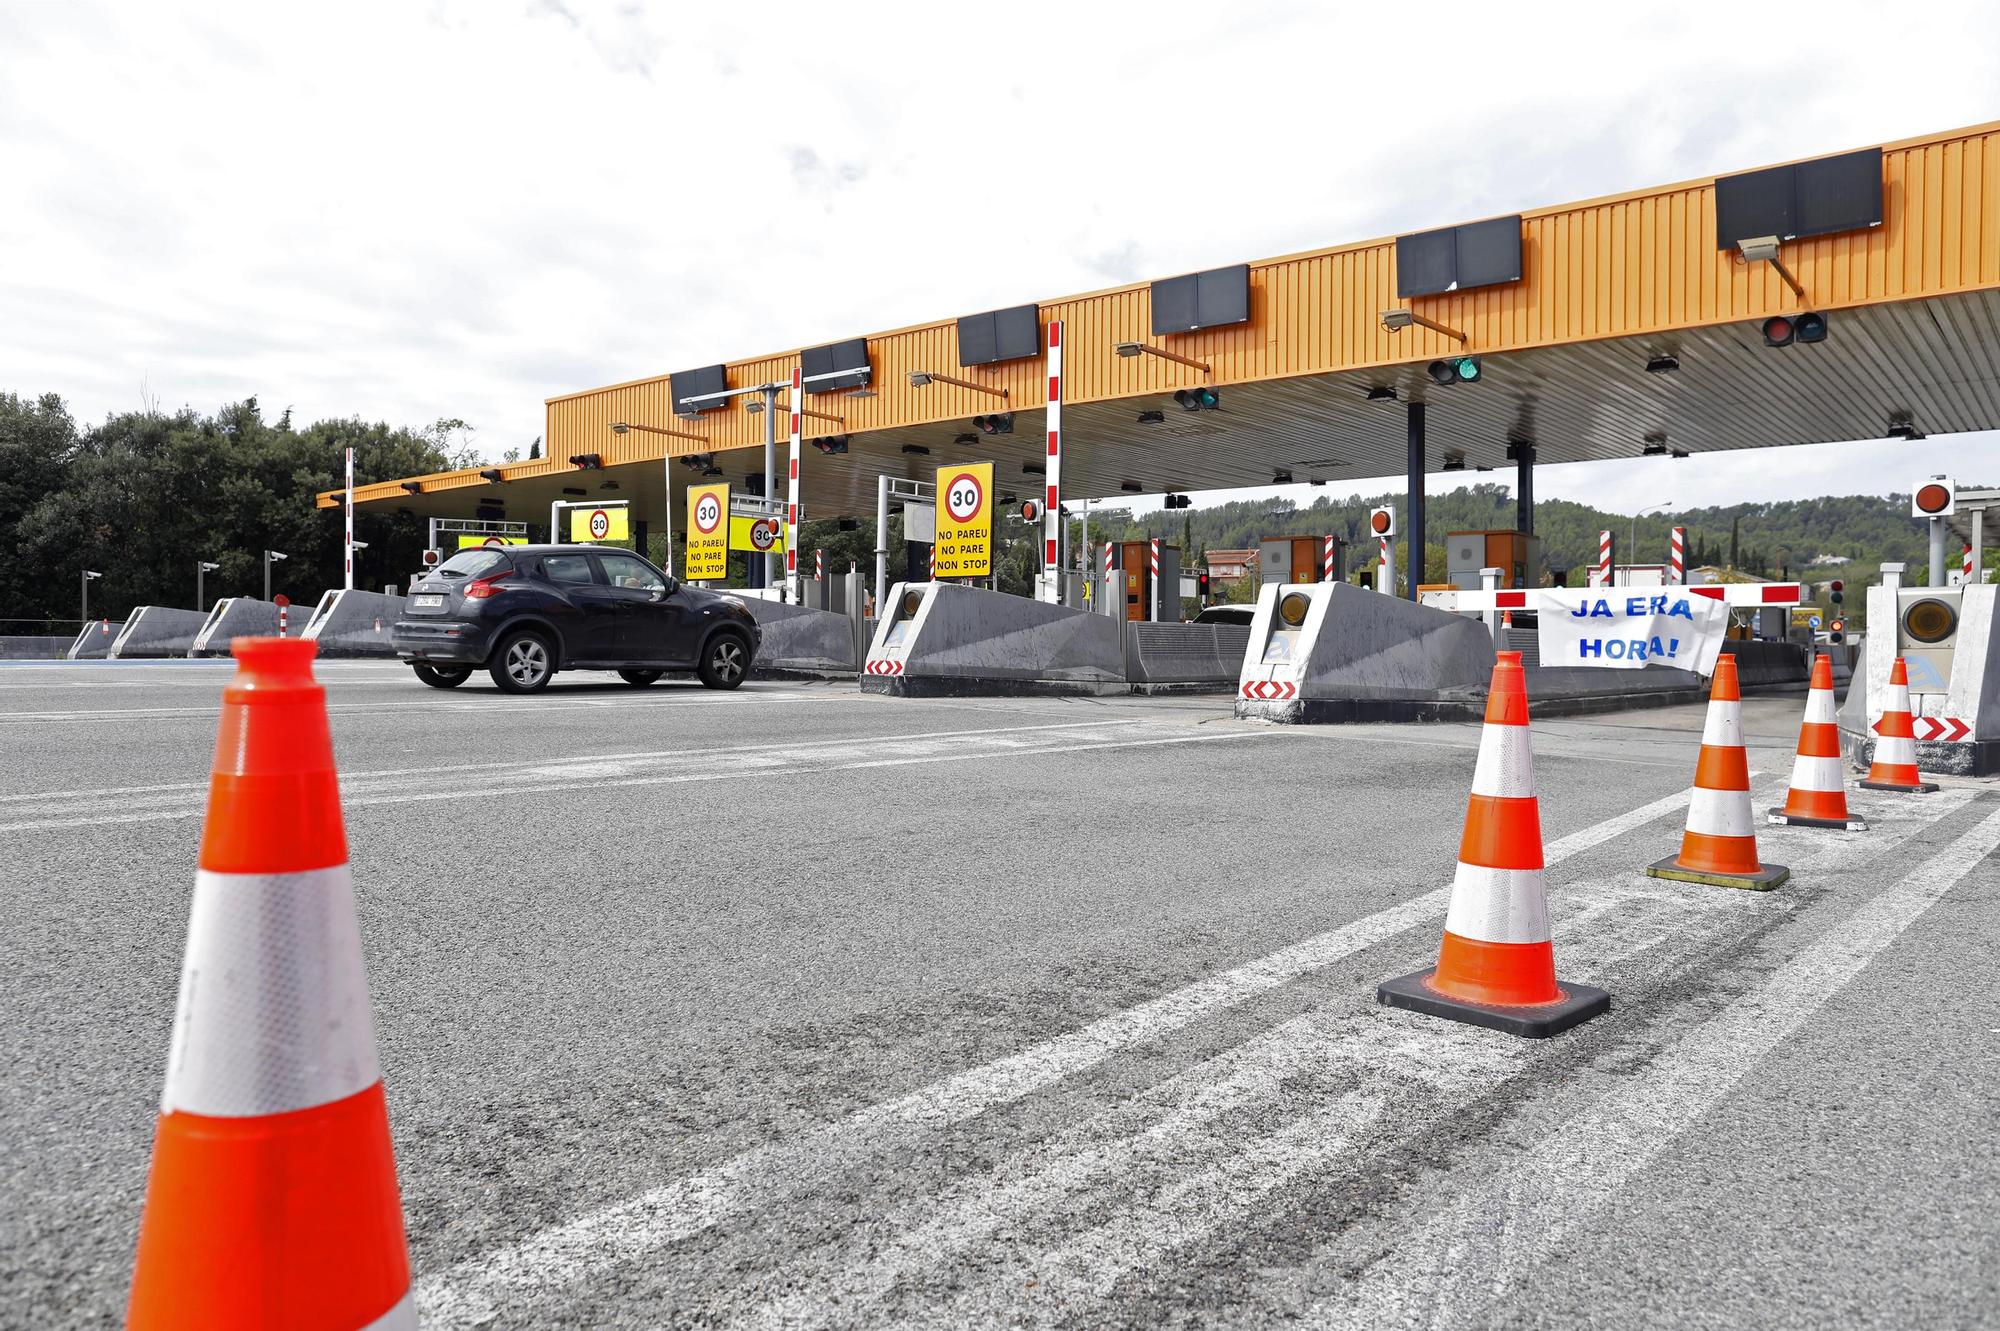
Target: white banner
{"points": [[1619, 629]]}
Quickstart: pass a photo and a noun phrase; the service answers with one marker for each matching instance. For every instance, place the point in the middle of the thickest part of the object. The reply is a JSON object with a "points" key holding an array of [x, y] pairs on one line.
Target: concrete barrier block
{"points": [[156, 631], [355, 623], [94, 642], [965, 640], [34, 647], [1184, 656], [802, 640], [242, 617]]}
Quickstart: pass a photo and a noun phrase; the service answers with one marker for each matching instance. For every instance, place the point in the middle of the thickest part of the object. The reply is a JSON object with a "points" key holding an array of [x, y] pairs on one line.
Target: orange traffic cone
{"points": [[1720, 846], [1497, 965], [1895, 765], [1818, 796], [272, 1199]]}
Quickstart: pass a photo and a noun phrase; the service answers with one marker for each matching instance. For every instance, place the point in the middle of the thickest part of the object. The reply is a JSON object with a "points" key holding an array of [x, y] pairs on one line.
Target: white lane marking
{"points": [[482, 707], [771, 762], [1488, 1240], [358, 779], [473, 1291], [1217, 1177]]}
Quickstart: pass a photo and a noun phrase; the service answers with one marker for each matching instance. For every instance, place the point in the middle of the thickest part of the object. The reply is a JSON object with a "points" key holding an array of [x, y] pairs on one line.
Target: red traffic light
{"points": [[1379, 520], [1839, 586], [1778, 331], [1933, 499], [1031, 510]]}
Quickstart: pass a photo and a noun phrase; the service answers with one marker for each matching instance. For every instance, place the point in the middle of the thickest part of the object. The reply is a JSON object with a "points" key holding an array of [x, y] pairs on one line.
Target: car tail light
{"points": [[481, 588]]}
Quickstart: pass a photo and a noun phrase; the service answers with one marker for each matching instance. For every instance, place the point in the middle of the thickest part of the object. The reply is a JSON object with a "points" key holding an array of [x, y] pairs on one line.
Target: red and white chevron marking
{"points": [[882, 665], [1270, 690], [1942, 729]]}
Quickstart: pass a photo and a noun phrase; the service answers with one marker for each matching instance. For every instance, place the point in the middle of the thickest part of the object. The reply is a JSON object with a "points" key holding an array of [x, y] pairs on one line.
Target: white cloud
{"points": [[412, 211]]}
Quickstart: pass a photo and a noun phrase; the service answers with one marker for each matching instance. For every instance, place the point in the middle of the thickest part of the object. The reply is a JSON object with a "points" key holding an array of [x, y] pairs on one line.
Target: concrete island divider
{"points": [[94, 642], [349, 622], [34, 647], [157, 631], [801, 640], [946, 638], [240, 617]]}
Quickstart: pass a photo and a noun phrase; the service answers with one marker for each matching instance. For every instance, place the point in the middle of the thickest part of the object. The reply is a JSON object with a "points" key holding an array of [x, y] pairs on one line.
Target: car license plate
{"points": [[428, 602]]}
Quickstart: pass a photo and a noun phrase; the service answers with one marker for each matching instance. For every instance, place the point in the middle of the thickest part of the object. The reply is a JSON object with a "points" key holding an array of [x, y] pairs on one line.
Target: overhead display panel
{"points": [[1454, 258], [685, 384], [1212, 299], [841, 365], [1010, 334], [1822, 198]]}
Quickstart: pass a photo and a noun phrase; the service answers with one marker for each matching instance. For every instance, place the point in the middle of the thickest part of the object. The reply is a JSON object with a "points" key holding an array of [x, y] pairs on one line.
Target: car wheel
{"points": [[522, 663], [443, 677], [639, 679], [725, 661]]}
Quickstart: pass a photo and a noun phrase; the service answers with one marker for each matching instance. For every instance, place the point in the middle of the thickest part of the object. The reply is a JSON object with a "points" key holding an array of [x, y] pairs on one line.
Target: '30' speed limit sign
{"points": [[965, 520]]}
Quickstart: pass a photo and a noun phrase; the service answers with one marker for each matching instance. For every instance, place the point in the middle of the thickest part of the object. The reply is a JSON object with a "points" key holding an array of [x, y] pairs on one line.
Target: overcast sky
{"points": [[410, 210]]}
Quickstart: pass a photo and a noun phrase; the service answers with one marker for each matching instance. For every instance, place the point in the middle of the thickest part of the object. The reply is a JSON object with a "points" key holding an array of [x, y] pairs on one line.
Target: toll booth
{"points": [[1300, 559], [1517, 554], [1142, 598]]}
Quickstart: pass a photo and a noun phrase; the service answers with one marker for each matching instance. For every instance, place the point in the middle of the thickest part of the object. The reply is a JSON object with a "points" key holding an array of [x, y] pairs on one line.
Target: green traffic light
{"points": [[1468, 369]]}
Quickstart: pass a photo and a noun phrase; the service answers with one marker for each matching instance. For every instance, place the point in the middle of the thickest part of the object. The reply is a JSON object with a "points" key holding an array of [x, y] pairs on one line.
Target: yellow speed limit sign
{"points": [[965, 520], [605, 523], [759, 535], [708, 532]]}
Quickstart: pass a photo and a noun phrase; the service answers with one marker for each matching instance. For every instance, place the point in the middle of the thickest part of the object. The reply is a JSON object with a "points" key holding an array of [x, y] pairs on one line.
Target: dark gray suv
{"points": [[525, 612]]}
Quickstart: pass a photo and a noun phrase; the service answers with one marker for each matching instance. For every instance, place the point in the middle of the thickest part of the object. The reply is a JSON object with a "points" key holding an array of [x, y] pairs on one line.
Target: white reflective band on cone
{"points": [[1896, 749], [402, 1317], [274, 1002], [1819, 707], [1719, 812], [1506, 763], [1498, 905], [1724, 725], [1816, 773]]}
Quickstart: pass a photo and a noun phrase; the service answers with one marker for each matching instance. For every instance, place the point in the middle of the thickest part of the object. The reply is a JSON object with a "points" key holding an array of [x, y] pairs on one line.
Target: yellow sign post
{"points": [[608, 523], [708, 532], [474, 540], [965, 520]]}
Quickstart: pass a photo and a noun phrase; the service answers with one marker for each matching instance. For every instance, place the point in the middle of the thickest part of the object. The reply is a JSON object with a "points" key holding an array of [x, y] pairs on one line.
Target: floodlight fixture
{"points": [[1764, 249], [924, 378], [1395, 321], [1663, 364]]}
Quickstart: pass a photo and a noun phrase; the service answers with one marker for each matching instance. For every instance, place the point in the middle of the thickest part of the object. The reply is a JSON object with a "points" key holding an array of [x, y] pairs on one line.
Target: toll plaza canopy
{"points": [[1614, 328]]}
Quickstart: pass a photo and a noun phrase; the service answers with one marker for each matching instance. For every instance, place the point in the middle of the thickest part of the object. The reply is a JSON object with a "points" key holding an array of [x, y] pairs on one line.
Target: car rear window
{"points": [[474, 564]]}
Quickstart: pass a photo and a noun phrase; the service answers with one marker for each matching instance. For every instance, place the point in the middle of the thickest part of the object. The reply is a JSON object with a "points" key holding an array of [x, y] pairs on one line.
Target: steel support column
{"points": [[1413, 564], [1524, 487]]}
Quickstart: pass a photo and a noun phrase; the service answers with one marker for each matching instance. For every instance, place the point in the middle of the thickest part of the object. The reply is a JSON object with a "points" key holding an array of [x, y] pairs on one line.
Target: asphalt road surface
{"points": [[795, 1008]]}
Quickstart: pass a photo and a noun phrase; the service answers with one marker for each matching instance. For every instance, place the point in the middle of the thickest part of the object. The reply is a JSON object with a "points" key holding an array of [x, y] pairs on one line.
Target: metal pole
{"points": [[1086, 543], [881, 543], [199, 574], [1978, 546], [667, 479], [1937, 552], [349, 584], [1414, 436], [1524, 488], [83, 615], [267, 575], [773, 566]]}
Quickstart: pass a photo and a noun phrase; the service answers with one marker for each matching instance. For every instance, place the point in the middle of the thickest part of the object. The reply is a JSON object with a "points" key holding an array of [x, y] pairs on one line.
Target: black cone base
{"points": [[1801, 820], [1921, 788], [1579, 1004], [1766, 878]]}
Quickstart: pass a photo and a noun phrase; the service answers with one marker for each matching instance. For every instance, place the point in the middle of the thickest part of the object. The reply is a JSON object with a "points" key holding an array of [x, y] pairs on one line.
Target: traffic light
{"points": [[1032, 510], [1781, 330], [1455, 370], [832, 445], [1935, 498], [1382, 521], [1179, 501], [1836, 631], [1834, 590], [588, 462], [1201, 586], [1197, 399], [1001, 422]]}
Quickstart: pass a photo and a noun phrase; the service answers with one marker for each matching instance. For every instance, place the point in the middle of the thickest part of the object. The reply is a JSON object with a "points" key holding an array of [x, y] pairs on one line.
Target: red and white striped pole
{"points": [[792, 486], [284, 617], [350, 520], [1385, 567], [934, 559], [1967, 570], [1677, 554], [1326, 560], [819, 566], [1153, 567], [1051, 531], [1602, 577]]}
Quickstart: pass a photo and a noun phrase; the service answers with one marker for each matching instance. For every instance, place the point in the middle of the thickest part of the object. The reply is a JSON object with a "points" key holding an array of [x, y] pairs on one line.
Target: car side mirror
{"points": [[672, 587]]}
